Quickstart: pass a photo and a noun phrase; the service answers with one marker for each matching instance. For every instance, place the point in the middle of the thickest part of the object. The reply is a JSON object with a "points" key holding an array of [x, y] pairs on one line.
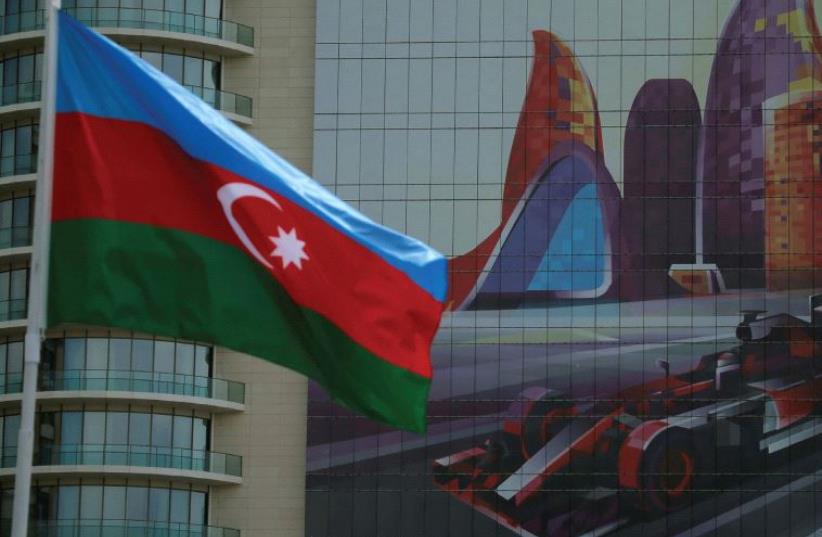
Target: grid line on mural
{"points": [[626, 192]]}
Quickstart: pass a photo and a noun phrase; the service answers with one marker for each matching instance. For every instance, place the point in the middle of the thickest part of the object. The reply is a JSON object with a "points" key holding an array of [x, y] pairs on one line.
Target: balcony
{"points": [[15, 237], [222, 36], [23, 99], [213, 394], [18, 165], [188, 465], [118, 528], [13, 310], [139, 456], [18, 100], [235, 107]]}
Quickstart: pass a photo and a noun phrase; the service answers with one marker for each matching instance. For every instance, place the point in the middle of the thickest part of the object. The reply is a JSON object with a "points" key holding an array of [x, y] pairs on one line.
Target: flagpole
{"points": [[38, 279]]}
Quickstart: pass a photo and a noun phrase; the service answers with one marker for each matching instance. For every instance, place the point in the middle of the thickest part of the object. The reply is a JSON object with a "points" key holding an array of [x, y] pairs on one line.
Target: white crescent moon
{"points": [[228, 194]]}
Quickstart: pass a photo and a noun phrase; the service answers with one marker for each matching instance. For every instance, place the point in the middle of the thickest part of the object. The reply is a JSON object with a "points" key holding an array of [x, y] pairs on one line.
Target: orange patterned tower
{"points": [[793, 179], [559, 121]]}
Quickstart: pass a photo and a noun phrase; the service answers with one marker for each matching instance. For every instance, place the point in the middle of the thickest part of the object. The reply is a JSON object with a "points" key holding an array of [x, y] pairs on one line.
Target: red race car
{"points": [[654, 444]]}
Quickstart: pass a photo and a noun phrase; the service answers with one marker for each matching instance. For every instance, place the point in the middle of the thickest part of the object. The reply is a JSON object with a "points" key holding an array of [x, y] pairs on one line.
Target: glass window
{"points": [[7, 142], [213, 8], [139, 429], [4, 287], [10, 71], [173, 66], [195, 7], [94, 428], [211, 74], [193, 74], [174, 5], [142, 354], [45, 507], [91, 502], [14, 361], [25, 68], [22, 140], [74, 354], [22, 212], [119, 354], [198, 512], [180, 505], [137, 503], [71, 428], [199, 440], [202, 361], [158, 504], [11, 428], [114, 506], [184, 364], [161, 430], [5, 213], [182, 432], [117, 428], [97, 354], [19, 284], [38, 66], [164, 356], [154, 58], [68, 502]]}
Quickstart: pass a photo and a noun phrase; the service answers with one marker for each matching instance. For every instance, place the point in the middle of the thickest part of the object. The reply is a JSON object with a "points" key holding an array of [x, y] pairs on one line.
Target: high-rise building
{"points": [[138, 435], [657, 217], [766, 49]]}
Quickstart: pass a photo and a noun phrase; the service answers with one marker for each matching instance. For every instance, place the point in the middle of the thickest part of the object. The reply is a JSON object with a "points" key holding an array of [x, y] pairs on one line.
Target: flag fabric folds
{"points": [[168, 219]]}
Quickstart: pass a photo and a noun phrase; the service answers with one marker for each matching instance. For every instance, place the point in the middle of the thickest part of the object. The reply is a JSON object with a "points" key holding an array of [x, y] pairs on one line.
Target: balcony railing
{"points": [[143, 19], [26, 92], [12, 310], [221, 100], [12, 237], [18, 164], [129, 455], [118, 528], [26, 21], [130, 381], [224, 100]]}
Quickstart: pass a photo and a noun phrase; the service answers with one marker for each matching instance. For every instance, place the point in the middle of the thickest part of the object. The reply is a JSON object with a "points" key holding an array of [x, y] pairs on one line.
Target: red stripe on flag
{"points": [[128, 171]]}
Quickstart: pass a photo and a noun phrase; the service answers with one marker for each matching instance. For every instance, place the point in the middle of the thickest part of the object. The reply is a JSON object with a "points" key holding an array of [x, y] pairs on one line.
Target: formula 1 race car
{"points": [[656, 443]]}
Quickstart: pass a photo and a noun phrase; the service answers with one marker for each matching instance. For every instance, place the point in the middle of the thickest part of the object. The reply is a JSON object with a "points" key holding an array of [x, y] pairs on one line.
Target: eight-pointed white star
{"points": [[289, 248]]}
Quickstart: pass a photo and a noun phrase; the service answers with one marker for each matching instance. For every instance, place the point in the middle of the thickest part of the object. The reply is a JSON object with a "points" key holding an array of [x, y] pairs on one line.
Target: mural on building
{"points": [[633, 345]]}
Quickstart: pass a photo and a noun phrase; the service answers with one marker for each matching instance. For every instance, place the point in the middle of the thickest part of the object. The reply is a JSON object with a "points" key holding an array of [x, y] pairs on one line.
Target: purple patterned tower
{"points": [[660, 159], [767, 47]]}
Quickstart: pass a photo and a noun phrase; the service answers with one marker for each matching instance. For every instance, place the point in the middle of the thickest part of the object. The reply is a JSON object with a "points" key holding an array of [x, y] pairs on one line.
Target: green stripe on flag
{"points": [[177, 284]]}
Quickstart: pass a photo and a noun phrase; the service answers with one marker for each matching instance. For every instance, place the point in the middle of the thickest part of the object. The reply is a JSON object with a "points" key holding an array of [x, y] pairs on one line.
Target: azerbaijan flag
{"points": [[169, 219]]}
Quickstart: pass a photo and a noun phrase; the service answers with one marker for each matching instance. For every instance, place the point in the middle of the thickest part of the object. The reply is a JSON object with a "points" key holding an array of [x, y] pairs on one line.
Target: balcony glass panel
{"points": [[141, 18]]}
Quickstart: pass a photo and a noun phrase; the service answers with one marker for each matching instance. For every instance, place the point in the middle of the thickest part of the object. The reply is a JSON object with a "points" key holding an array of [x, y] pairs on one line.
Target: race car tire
{"points": [[669, 470]]}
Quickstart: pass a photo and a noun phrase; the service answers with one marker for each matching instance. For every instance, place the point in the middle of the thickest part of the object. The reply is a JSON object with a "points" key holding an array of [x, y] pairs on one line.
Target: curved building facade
{"points": [[138, 435], [556, 238], [766, 50]]}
